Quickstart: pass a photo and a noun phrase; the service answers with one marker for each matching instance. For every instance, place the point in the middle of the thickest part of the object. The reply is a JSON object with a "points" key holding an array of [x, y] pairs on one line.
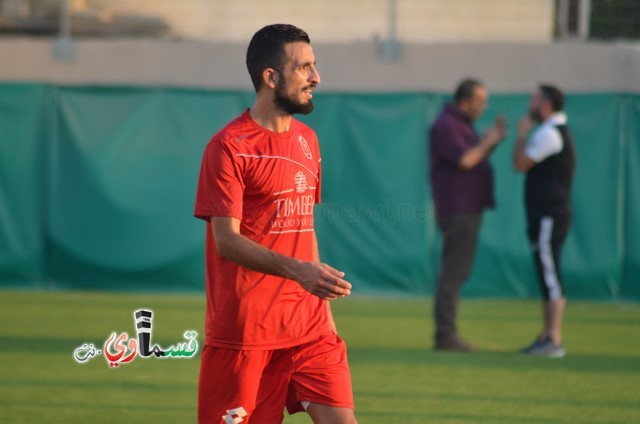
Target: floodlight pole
{"points": [[65, 20], [389, 49], [63, 47], [562, 18], [393, 20], [584, 18]]}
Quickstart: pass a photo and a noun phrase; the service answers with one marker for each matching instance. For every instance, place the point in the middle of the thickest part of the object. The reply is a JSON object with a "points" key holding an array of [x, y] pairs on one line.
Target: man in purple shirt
{"points": [[462, 185]]}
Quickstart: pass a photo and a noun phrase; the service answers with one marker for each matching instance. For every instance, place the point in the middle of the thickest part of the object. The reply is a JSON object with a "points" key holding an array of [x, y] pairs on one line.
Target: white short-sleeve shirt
{"points": [[546, 139]]}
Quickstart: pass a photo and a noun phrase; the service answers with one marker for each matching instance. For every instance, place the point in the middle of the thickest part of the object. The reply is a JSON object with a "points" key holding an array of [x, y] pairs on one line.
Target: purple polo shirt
{"points": [[454, 189]]}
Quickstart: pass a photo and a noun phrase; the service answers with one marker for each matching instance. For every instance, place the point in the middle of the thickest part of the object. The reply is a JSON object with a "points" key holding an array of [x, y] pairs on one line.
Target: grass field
{"points": [[397, 378]]}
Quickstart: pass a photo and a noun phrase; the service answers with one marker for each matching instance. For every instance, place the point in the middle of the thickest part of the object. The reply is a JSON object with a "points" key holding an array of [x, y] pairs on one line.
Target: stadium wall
{"points": [[340, 21], [346, 67], [97, 186]]}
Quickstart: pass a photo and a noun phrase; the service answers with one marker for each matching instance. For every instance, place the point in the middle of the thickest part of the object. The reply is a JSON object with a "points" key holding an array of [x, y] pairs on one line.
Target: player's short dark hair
{"points": [[553, 95], [266, 49], [466, 90]]}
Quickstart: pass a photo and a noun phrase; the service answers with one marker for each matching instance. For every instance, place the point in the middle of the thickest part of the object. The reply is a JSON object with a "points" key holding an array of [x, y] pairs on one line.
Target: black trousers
{"points": [[547, 234], [460, 238]]}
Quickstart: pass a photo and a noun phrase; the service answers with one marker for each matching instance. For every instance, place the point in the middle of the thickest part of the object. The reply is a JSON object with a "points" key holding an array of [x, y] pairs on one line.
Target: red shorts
{"points": [[254, 386]]}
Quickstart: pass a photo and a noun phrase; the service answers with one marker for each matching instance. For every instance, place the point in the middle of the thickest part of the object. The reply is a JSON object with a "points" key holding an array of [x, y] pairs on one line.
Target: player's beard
{"points": [[289, 104]]}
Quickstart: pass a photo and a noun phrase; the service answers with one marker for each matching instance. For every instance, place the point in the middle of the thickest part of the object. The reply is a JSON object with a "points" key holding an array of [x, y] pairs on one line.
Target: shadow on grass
{"points": [[384, 355], [426, 417], [513, 400], [496, 360], [43, 345]]}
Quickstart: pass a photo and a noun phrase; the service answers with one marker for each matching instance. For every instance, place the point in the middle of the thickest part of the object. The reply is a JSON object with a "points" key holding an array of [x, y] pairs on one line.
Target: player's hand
{"points": [[494, 136], [525, 124], [323, 281], [501, 126]]}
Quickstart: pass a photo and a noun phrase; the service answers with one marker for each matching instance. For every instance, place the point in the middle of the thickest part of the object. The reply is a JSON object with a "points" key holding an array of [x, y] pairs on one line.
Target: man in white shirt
{"points": [[548, 158]]}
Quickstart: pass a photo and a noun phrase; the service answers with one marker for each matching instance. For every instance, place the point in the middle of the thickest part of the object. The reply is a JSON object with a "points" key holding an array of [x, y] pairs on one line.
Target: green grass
{"points": [[397, 378]]}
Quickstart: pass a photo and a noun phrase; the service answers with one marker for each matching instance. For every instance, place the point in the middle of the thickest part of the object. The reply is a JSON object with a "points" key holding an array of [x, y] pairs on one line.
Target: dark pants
{"points": [[460, 237]]}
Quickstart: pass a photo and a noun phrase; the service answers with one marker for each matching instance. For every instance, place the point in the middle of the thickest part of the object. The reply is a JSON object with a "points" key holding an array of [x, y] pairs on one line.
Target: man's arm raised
{"points": [[492, 137], [522, 162]]}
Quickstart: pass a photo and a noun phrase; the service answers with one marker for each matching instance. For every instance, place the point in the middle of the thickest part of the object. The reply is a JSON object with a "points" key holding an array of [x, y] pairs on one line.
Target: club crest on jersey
{"points": [[305, 147]]}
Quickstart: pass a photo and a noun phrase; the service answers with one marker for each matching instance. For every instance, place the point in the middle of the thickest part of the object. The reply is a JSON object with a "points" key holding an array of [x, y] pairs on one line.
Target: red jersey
{"points": [[270, 181]]}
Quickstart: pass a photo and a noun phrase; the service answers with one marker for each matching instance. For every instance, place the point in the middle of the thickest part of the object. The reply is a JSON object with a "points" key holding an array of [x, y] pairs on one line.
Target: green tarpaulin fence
{"points": [[97, 187]]}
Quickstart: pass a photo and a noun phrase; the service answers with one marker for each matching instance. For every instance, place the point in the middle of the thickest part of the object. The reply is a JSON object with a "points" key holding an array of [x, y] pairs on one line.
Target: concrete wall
{"points": [[344, 67], [353, 20]]}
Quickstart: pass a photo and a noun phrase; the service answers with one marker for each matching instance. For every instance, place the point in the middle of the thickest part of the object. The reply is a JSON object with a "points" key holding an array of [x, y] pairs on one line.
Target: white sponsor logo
{"points": [[301, 205], [235, 415], [305, 147], [294, 214], [300, 181]]}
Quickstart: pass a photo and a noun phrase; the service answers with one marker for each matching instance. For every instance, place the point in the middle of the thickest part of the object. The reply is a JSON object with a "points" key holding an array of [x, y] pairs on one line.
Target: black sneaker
{"points": [[533, 346], [545, 347]]}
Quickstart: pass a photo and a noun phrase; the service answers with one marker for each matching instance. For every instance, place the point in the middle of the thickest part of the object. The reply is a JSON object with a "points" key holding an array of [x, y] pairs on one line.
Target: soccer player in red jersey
{"points": [[270, 340]]}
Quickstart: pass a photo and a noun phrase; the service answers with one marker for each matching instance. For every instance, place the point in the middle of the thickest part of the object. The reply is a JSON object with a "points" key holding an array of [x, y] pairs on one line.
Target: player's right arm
{"points": [[317, 278], [491, 138]]}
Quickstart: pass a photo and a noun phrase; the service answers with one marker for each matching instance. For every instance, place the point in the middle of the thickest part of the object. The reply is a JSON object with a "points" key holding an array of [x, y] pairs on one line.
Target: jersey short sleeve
{"points": [[220, 186], [544, 142]]}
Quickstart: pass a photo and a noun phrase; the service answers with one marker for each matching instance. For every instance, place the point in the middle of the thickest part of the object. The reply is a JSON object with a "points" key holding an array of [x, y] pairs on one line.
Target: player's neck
{"points": [[265, 114]]}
